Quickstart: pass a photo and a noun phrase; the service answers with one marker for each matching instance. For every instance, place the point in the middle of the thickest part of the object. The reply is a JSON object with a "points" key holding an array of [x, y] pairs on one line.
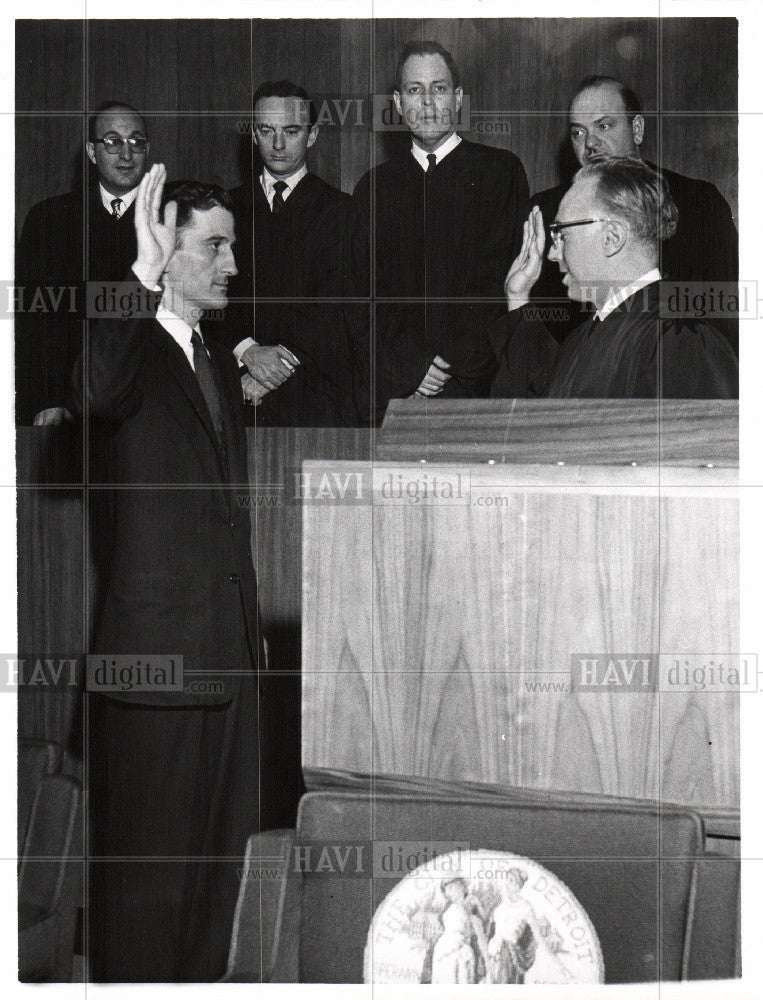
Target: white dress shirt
{"points": [[420, 155], [126, 199], [622, 294], [267, 181], [179, 330]]}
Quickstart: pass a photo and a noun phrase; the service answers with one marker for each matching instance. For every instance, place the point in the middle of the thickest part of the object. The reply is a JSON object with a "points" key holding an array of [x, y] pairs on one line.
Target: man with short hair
{"points": [[605, 120], [443, 218], [53, 254], [174, 772], [292, 229], [606, 240]]}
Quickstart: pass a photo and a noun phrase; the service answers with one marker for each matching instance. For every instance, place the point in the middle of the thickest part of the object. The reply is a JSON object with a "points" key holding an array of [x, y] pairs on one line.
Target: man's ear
{"points": [[459, 97], [398, 103], [312, 136], [638, 129], [615, 237], [90, 147]]}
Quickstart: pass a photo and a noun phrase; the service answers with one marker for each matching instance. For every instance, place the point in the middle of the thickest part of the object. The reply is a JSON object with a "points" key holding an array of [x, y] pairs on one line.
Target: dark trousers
{"points": [[174, 796]]}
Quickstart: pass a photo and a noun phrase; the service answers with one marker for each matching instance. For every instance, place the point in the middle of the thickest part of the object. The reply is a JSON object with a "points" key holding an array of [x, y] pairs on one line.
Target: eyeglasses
{"points": [[555, 229], [113, 143]]}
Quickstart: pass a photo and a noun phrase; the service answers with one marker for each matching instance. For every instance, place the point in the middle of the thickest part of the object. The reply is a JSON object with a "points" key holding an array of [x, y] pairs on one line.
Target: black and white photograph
{"points": [[386, 585]]}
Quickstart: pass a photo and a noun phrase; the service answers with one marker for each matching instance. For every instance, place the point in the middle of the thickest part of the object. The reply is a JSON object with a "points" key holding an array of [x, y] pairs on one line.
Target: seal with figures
{"points": [[482, 917]]}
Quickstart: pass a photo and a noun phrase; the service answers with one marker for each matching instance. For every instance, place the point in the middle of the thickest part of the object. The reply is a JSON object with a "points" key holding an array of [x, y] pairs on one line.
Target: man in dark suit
{"points": [[606, 242], [444, 217], [53, 254], [175, 776], [605, 120], [291, 227]]}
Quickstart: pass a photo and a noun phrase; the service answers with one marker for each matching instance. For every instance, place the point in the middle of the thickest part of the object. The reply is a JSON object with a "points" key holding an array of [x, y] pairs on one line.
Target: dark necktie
{"points": [[206, 379], [278, 189], [432, 157], [116, 207]]}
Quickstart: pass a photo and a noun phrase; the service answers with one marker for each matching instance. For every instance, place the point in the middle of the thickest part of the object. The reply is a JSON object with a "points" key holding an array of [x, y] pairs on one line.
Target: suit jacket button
{"points": [[234, 578]]}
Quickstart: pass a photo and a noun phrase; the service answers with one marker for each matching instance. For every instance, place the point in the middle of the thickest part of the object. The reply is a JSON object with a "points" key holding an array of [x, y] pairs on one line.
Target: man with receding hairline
{"points": [[606, 240], [443, 217], [605, 120], [52, 253]]}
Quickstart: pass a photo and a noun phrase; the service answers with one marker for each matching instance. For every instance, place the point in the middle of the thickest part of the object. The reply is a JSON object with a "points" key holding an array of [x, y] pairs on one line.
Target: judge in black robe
{"points": [[289, 289], [634, 353], [443, 242], [66, 242], [606, 246], [704, 248]]}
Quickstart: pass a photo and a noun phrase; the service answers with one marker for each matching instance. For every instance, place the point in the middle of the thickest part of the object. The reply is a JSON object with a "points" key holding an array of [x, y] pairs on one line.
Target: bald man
{"points": [[53, 254]]}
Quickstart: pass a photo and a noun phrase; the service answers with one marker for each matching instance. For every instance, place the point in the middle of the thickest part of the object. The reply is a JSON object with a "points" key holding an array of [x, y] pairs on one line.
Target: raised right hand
{"points": [[525, 270], [156, 238]]}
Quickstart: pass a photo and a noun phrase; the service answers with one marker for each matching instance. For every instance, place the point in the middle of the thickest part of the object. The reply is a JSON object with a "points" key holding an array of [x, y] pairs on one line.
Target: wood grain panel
{"points": [[590, 432], [57, 590], [519, 74], [465, 617]]}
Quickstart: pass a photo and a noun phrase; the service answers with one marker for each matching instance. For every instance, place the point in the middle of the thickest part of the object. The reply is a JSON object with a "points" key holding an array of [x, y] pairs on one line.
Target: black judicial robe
{"points": [[53, 253], [704, 248], [443, 244], [633, 354], [298, 256]]}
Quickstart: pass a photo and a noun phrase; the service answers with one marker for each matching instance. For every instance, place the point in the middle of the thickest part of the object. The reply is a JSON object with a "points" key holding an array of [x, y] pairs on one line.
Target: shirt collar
{"points": [[420, 156], [625, 293], [267, 180], [174, 325], [126, 199]]}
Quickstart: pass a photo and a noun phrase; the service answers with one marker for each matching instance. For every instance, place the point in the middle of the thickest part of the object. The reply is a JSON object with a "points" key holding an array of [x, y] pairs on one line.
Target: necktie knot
{"points": [[278, 189], [432, 158], [116, 207]]}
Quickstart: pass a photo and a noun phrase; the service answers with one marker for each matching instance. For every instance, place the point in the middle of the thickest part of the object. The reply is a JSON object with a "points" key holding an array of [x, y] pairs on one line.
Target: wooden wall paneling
{"points": [[477, 610], [49, 65], [355, 50], [51, 602], [527, 67], [309, 53], [699, 62], [700, 729], [707, 144]]}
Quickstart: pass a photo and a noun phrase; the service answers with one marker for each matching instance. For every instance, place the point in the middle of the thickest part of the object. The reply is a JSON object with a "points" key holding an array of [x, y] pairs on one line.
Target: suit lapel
{"points": [[177, 363]]}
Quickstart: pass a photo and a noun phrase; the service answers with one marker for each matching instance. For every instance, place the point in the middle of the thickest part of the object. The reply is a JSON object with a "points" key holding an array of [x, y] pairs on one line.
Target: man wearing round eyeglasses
{"points": [[606, 241], [53, 254]]}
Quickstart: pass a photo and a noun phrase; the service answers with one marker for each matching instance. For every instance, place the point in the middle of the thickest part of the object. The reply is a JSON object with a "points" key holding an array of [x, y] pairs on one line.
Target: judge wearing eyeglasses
{"points": [[53, 253], [634, 343]]}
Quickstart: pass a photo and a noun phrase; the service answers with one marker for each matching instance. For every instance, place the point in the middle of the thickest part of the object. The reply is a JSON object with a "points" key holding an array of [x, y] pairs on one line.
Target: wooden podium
{"points": [[451, 587]]}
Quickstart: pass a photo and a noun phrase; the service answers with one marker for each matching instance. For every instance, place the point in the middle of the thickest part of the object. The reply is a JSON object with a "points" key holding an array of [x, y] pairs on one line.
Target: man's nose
{"points": [[426, 97], [553, 251], [125, 151], [591, 141], [229, 265], [279, 142]]}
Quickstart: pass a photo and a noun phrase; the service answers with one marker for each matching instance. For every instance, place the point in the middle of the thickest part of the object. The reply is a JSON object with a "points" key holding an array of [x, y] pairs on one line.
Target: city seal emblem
{"points": [[481, 917]]}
